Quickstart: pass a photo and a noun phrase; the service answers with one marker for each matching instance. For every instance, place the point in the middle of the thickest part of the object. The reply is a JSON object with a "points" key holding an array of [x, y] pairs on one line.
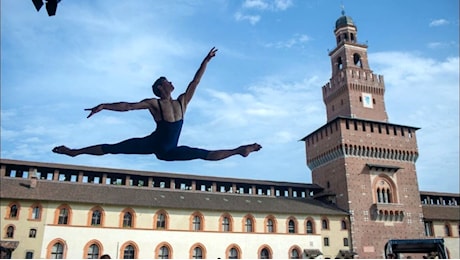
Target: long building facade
{"points": [[65, 211], [364, 192]]}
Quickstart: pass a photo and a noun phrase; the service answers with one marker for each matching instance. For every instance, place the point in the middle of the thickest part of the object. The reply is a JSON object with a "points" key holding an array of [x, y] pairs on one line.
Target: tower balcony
{"points": [[387, 212]]}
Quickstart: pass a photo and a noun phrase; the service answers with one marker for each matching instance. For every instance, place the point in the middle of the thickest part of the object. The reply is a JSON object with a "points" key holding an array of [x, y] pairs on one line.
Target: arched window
{"points": [[161, 220], [344, 224], [345, 241], [357, 60], [226, 223], [339, 63], [13, 211], [310, 228], [35, 212], [63, 215], [270, 226], [129, 252], [291, 226], [197, 221], [383, 191], [93, 252], [294, 254], [197, 253], [128, 219], [57, 251], [324, 223], [96, 218], [233, 252], [248, 224], [10, 231], [265, 253], [163, 251]]}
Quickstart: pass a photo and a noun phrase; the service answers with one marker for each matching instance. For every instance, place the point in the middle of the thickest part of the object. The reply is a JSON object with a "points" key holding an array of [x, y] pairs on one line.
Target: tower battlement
{"points": [[373, 83]]}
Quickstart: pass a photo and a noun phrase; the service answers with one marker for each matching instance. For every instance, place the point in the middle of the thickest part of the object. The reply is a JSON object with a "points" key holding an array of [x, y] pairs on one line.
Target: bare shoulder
{"points": [[150, 101], [181, 98]]}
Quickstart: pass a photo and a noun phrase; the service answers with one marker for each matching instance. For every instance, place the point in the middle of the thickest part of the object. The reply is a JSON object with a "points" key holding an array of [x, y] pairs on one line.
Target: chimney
{"points": [[33, 181]]}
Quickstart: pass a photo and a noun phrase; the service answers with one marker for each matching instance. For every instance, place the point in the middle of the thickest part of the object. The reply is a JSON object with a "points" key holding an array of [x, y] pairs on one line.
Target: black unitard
{"points": [[162, 142]]}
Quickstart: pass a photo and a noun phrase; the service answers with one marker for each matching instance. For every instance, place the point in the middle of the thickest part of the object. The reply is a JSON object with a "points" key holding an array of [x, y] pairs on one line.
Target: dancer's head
{"points": [[157, 84]]}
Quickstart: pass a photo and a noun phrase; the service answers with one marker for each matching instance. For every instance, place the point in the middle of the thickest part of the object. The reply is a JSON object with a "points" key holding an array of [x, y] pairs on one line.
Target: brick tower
{"points": [[365, 164]]}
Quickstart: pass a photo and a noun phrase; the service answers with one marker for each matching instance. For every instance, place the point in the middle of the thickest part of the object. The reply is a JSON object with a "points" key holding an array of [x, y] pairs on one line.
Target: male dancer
{"points": [[168, 114]]}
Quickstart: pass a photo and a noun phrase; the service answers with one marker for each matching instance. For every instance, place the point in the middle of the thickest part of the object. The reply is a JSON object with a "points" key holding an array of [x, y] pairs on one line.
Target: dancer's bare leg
{"points": [[243, 150], [93, 150]]}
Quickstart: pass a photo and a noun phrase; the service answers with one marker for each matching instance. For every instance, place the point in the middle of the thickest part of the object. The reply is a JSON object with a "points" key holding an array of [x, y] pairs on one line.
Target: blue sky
{"points": [[263, 86]]}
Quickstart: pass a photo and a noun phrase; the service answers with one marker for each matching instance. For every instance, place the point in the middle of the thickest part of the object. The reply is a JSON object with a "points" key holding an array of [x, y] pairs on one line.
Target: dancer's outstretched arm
{"points": [[196, 79], [121, 106]]}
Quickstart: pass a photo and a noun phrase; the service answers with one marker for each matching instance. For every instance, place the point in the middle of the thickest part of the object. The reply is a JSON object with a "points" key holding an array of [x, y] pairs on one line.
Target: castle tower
{"points": [[365, 164], [354, 91]]}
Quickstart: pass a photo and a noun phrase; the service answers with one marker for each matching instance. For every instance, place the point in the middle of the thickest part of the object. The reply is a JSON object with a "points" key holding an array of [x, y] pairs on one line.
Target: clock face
{"points": [[367, 100]]}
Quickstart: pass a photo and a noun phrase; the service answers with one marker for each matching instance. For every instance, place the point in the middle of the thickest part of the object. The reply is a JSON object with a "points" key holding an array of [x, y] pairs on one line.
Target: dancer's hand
{"points": [[211, 54], [94, 110]]}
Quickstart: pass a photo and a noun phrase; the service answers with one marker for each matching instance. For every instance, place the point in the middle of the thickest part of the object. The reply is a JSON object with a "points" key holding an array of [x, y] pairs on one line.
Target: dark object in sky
{"points": [[51, 6], [38, 4]]}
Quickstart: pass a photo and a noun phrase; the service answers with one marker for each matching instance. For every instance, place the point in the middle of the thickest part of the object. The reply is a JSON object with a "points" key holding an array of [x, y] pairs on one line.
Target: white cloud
{"points": [[253, 19], [438, 22], [256, 4], [260, 6], [272, 5], [296, 40], [283, 4]]}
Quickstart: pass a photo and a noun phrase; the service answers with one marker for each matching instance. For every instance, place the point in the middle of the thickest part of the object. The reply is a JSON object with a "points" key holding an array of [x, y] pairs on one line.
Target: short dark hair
{"points": [[156, 84]]}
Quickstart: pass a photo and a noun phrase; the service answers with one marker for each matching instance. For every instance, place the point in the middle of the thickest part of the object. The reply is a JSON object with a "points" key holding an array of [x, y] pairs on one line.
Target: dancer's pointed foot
{"points": [[63, 150], [245, 150]]}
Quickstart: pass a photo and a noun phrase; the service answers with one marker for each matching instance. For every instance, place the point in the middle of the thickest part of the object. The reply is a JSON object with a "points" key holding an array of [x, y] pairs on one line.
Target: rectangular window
{"points": [[32, 233], [29, 255], [36, 213], [326, 241], [429, 229]]}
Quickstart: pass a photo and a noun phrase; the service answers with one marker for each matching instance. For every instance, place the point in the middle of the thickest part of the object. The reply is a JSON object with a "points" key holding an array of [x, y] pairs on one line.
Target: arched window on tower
{"points": [[384, 191], [357, 60], [339, 63]]}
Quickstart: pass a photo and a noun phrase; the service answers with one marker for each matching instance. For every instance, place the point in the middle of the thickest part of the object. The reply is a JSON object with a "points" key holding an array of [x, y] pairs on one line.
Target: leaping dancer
{"points": [[168, 114]]}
